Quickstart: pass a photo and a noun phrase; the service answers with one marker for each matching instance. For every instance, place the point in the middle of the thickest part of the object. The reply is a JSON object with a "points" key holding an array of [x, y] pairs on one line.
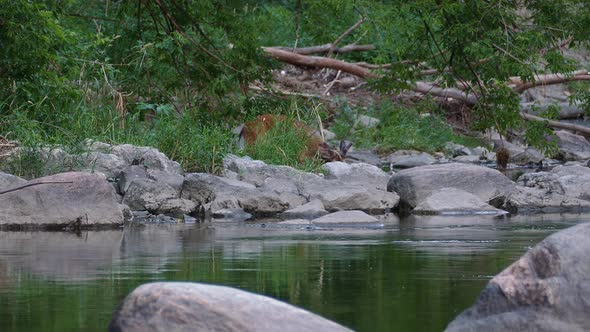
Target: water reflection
{"points": [[414, 274]]}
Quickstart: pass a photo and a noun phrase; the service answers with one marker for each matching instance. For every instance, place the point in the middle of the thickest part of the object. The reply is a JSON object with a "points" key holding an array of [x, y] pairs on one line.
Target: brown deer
{"points": [[255, 129]]}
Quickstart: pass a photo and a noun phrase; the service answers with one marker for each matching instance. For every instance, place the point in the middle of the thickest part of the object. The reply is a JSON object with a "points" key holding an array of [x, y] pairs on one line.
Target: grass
{"points": [[401, 128]]}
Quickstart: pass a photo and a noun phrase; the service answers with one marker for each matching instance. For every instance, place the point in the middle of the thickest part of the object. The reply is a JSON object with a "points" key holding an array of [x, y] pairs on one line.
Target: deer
{"points": [[254, 130]]}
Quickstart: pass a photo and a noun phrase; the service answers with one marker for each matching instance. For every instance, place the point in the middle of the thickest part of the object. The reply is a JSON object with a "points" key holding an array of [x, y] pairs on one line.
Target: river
{"points": [[414, 274]]}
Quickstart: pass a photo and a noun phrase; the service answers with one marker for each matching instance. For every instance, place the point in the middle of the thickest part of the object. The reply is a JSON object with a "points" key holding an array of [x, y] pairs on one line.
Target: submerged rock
{"points": [[347, 218], [176, 306], [80, 200], [547, 289], [313, 209]]}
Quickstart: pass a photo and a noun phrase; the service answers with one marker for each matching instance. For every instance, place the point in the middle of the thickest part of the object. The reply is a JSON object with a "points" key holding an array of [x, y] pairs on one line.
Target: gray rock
{"points": [[452, 201], [198, 307], [336, 195], [546, 181], [149, 157], [214, 193], [311, 210], [401, 154], [566, 109], [108, 164], [256, 171], [128, 175], [467, 159], [286, 190], [529, 155], [176, 207], [534, 200], [361, 174], [547, 289], [415, 184], [146, 194], [455, 149], [367, 157], [414, 161], [8, 181], [348, 218], [572, 146], [174, 180], [328, 135], [575, 180], [83, 200]]}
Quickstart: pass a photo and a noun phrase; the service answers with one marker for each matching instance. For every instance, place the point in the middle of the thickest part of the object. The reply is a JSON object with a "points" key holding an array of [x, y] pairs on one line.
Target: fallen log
{"points": [[326, 48], [584, 131]]}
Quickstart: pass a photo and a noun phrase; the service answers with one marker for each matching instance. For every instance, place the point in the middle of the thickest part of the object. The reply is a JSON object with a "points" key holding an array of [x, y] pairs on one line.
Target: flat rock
{"points": [[256, 171], [452, 201], [233, 214], [146, 194], [8, 181], [175, 306], [360, 174], [414, 161], [311, 210], [415, 184], [82, 200], [547, 289], [295, 222]]}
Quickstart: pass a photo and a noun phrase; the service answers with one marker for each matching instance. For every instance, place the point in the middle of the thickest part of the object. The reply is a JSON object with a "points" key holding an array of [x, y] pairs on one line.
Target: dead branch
{"points": [[318, 62], [325, 48], [585, 131], [344, 34], [426, 88], [553, 79], [32, 184]]}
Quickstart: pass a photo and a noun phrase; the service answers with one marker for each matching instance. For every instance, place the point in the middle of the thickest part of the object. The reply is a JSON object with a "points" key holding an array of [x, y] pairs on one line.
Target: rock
{"points": [[566, 109], [181, 306], [149, 157], [367, 157], [256, 171], [534, 200], [415, 184], [401, 154], [468, 159], [547, 93], [286, 190], [546, 181], [174, 180], [529, 155], [455, 149], [8, 181], [452, 201], [361, 174], [215, 193], [177, 207], [367, 121], [311, 210], [108, 164], [347, 218], [128, 175], [328, 135], [336, 195], [571, 181], [547, 289], [571, 146], [414, 161], [88, 201], [146, 194]]}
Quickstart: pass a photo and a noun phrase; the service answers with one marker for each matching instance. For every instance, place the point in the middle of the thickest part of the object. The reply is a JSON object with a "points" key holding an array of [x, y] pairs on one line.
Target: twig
{"points": [[346, 33], [32, 184], [331, 84]]}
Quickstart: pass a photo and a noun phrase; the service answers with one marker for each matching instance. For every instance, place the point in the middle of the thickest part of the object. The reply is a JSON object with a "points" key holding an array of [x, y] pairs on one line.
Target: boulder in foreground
{"points": [[176, 306], [547, 289]]}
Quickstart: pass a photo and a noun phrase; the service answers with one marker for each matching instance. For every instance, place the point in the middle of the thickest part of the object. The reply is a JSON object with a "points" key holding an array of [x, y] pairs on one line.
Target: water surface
{"points": [[412, 275]]}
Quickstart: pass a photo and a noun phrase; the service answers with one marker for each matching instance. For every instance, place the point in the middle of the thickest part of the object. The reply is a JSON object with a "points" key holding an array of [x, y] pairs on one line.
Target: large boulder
{"points": [[572, 146], [358, 174], [167, 306], [545, 290], [8, 181], [416, 184], [338, 195], [75, 200]]}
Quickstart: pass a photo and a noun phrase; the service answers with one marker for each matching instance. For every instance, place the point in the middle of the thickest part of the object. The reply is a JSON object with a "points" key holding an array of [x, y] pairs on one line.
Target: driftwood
{"points": [[326, 48], [30, 185], [363, 71]]}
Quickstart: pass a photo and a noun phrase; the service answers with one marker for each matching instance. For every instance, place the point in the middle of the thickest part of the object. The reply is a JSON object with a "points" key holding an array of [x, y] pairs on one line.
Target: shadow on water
{"points": [[414, 274]]}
